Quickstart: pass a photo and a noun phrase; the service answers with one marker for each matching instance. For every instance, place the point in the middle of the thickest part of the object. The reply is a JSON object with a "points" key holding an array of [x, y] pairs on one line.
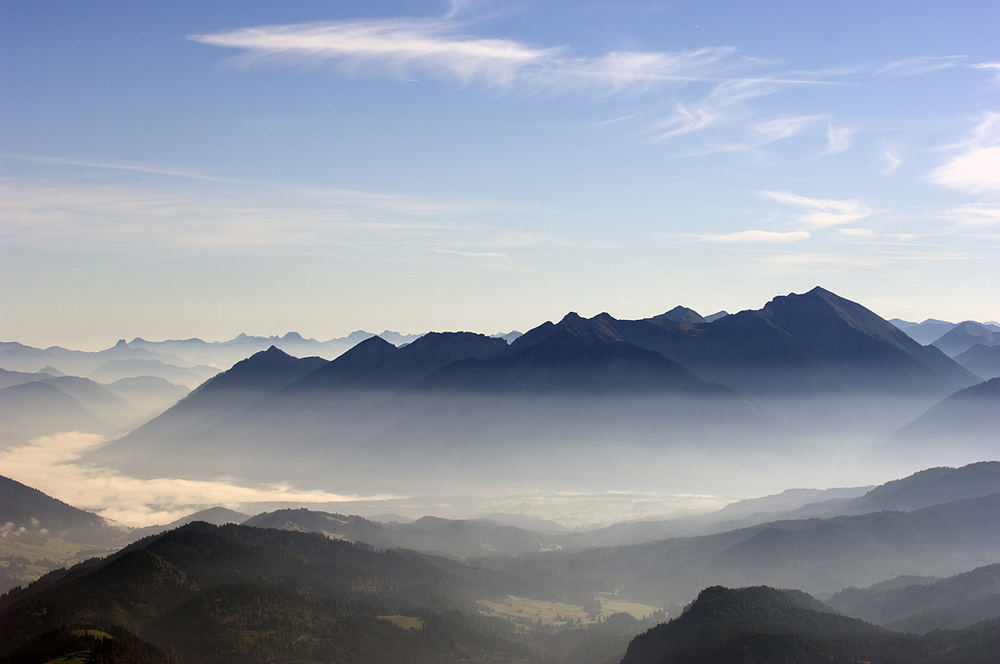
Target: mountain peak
{"points": [[292, 336], [571, 318], [680, 314]]}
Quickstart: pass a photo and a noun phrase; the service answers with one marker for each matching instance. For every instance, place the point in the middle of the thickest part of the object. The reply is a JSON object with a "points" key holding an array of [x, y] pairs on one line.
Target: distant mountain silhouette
{"points": [[568, 362], [929, 604], [964, 336], [39, 408], [984, 361], [681, 314], [456, 538], [711, 318], [151, 394], [816, 360], [931, 487], [114, 370], [19, 357], [215, 400], [98, 399], [967, 421], [815, 342], [925, 332], [11, 378], [816, 555], [376, 364], [218, 516]]}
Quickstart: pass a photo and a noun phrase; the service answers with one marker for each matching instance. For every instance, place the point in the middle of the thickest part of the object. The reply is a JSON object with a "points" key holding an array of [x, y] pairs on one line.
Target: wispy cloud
{"points": [[977, 166], [405, 47], [890, 158], [838, 139], [440, 48], [51, 464], [924, 64], [993, 67], [756, 237], [241, 217], [856, 232], [471, 254], [783, 127], [822, 212], [974, 215]]}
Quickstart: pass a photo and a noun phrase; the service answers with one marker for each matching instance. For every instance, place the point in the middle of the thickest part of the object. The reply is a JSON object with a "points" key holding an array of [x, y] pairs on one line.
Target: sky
{"points": [[203, 169]]}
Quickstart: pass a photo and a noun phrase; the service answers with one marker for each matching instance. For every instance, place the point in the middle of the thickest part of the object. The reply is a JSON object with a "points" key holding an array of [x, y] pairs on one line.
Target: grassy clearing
{"points": [[529, 613], [26, 562], [404, 622], [634, 609]]}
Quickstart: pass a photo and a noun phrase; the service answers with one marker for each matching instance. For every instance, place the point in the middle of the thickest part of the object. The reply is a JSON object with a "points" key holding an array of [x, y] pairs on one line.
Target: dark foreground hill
{"points": [[239, 594], [761, 624]]}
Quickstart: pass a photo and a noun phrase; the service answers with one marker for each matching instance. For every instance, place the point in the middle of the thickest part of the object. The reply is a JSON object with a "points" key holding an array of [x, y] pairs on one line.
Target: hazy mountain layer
{"points": [[965, 422], [952, 603], [965, 335], [817, 555], [984, 361]]}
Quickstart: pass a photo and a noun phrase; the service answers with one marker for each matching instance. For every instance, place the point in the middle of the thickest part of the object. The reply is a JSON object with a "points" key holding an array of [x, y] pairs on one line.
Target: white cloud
{"points": [[398, 46], [989, 66], [856, 232], [403, 47], [438, 48], [974, 214], [781, 128], [838, 139], [757, 236], [471, 254], [977, 170], [49, 463], [891, 159], [921, 65], [977, 167], [822, 212]]}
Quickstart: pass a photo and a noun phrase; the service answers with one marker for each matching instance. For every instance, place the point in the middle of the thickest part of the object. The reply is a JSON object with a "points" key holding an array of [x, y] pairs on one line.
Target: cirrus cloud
{"points": [[757, 236]]}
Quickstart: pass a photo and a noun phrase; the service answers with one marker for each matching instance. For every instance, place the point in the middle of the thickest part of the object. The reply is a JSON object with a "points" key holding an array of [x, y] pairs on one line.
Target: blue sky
{"points": [[201, 169]]}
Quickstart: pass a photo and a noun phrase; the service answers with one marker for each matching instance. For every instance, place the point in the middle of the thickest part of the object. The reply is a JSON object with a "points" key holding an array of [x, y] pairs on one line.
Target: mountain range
{"points": [[952, 338], [809, 366]]}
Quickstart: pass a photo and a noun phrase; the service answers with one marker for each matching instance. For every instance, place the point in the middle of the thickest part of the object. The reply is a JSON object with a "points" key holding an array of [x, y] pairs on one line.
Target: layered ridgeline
{"points": [[177, 360], [938, 522], [924, 604], [952, 338], [591, 397], [35, 404]]}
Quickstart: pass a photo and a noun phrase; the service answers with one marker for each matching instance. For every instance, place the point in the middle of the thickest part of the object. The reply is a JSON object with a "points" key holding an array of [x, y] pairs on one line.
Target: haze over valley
{"points": [[479, 332]]}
